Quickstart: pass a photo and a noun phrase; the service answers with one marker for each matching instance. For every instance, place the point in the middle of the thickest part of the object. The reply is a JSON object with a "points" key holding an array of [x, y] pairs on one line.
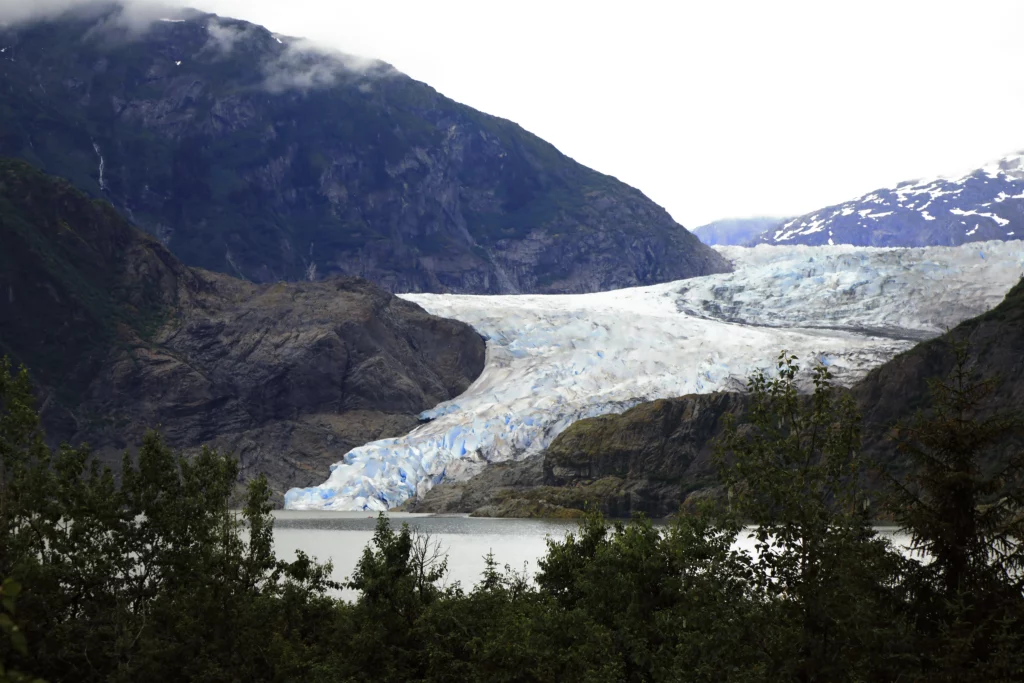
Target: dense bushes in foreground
{"points": [[153, 577]]}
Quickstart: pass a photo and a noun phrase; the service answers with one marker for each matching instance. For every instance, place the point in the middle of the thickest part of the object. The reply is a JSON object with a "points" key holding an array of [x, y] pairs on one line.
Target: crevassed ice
{"points": [[553, 359]]}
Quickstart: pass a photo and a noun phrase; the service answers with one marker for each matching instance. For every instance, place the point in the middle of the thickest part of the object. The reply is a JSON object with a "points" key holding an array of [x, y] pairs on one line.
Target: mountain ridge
{"points": [[245, 152], [984, 204], [735, 231], [121, 337]]}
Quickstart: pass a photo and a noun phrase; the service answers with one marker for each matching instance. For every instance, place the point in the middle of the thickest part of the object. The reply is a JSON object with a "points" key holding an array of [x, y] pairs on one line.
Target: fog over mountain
{"points": [[735, 231], [261, 156]]}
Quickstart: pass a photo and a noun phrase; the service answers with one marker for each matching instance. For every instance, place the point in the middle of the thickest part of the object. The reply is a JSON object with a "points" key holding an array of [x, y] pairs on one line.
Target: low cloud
{"points": [[134, 16], [303, 65], [15, 11], [224, 35], [292, 64]]}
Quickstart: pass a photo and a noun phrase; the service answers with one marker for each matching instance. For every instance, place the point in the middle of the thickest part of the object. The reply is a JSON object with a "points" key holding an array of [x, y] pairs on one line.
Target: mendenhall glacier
{"points": [[553, 359]]}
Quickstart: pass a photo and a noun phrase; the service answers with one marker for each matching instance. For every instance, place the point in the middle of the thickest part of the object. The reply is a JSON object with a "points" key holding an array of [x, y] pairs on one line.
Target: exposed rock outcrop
{"points": [[481, 494], [651, 459], [122, 337]]}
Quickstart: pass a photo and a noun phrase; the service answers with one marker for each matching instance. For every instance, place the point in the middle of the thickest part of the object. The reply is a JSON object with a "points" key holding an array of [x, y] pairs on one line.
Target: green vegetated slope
{"points": [[76, 279], [121, 337], [250, 154], [658, 455]]}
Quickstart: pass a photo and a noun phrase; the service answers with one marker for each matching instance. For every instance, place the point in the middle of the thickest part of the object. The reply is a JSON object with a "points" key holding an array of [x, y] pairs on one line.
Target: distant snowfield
{"points": [[553, 359]]}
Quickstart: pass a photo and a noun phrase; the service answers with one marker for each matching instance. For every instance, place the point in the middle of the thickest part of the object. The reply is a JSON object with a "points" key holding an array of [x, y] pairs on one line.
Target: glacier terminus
{"points": [[553, 359]]}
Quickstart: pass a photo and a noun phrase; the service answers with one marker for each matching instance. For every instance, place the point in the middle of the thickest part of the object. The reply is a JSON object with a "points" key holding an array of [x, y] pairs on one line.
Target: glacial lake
{"points": [[341, 536]]}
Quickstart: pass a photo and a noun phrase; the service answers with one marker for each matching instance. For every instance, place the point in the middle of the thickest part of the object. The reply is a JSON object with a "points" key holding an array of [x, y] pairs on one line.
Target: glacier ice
{"points": [[553, 359]]}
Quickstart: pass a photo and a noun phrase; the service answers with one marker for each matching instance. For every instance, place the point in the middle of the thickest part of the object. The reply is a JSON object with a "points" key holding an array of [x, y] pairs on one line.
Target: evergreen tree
{"points": [[965, 516], [147, 579], [793, 470]]}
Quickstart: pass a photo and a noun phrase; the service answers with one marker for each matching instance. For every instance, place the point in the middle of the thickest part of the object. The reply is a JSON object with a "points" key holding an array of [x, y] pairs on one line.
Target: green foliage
{"points": [[968, 521], [147, 579], [9, 628], [793, 470], [675, 604], [154, 577]]}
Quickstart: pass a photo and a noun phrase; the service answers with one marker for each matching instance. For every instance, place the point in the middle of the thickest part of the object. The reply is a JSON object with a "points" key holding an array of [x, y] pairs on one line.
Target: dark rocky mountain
{"points": [[657, 456], [251, 154], [986, 204], [122, 337], [736, 231]]}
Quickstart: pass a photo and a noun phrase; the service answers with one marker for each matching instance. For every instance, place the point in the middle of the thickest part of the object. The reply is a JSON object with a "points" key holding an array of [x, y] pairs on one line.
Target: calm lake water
{"points": [[341, 536]]}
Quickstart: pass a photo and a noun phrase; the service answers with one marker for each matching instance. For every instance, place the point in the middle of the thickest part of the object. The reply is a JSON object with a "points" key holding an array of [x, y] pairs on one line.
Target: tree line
{"points": [[154, 576]]}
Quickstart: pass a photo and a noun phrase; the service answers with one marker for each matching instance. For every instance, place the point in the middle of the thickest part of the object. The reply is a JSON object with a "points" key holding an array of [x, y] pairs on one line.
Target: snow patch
{"points": [[815, 226], [974, 212]]}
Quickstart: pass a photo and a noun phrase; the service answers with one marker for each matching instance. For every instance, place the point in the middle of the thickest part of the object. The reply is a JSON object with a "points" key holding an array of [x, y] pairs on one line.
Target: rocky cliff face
{"points": [[123, 338], [251, 154], [661, 451], [288, 376]]}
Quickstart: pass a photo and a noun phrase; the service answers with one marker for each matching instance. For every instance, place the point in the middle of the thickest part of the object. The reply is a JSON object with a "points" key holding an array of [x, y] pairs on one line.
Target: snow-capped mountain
{"points": [[554, 359], [986, 204]]}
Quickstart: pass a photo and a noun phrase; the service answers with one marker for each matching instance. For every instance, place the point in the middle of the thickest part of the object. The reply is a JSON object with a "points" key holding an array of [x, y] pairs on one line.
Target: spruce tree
{"points": [[793, 471], [963, 507]]}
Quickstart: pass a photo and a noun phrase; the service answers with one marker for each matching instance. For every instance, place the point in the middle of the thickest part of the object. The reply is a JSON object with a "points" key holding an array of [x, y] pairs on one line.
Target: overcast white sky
{"points": [[712, 108]]}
